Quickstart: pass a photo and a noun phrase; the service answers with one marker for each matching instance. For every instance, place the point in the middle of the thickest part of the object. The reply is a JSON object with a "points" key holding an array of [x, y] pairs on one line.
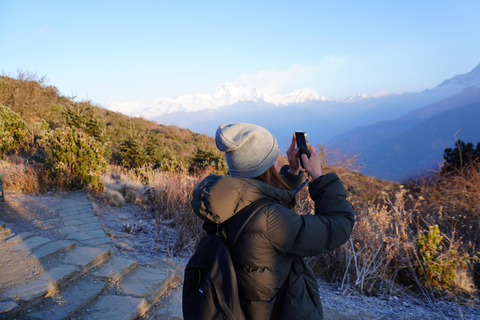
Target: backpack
{"points": [[210, 289]]}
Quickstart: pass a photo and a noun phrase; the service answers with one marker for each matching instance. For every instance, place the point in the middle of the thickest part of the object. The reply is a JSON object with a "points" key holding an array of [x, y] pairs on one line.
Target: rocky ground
{"points": [[134, 233]]}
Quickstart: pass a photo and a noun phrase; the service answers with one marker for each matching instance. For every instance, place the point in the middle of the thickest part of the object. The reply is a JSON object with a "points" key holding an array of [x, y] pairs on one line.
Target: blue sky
{"points": [[117, 51]]}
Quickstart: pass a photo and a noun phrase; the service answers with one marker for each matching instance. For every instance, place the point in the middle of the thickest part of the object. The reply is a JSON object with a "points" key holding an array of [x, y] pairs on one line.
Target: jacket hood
{"points": [[218, 198]]}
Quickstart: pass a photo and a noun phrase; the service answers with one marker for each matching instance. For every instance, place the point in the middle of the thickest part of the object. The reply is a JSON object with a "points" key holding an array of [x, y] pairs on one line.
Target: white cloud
{"points": [[126, 107], [300, 75]]}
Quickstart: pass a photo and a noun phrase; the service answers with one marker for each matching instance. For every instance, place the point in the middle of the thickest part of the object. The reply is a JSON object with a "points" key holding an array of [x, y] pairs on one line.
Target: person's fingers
{"points": [[292, 145], [313, 164]]}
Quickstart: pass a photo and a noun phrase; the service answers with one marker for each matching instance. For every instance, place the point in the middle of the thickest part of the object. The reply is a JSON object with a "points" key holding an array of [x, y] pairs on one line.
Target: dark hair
{"points": [[273, 178]]}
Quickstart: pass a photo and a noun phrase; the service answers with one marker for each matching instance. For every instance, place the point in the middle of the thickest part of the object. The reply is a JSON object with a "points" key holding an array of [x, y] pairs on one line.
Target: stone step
{"points": [[145, 282], [134, 295], [5, 233], [170, 307], [31, 243], [90, 238], [50, 249], [8, 307], [19, 237], [60, 275], [67, 301], [28, 294], [115, 307], [87, 258], [115, 269], [76, 263]]}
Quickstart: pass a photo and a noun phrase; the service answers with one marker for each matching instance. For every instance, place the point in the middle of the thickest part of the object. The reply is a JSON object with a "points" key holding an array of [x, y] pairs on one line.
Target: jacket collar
{"points": [[218, 198]]}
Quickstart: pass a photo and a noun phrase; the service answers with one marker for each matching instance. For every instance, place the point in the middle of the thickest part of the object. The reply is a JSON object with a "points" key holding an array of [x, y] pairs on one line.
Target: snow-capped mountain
{"points": [[362, 96], [297, 96], [226, 95]]}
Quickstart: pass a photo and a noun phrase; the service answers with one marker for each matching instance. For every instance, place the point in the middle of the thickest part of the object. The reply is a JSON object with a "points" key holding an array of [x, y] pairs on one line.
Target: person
{"points": [[274, 280]]}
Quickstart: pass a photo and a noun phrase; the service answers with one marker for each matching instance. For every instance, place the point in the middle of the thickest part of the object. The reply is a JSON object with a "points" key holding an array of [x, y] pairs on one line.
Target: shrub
{"points": [[74, 158], [461, 155], [84, 117], [133, 152], [13, 130], [438, 267], [204, 158]]}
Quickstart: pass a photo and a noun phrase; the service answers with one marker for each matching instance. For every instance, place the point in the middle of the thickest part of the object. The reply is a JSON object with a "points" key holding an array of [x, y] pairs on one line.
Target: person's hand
{"points": [[312, 165], [293, 158]]}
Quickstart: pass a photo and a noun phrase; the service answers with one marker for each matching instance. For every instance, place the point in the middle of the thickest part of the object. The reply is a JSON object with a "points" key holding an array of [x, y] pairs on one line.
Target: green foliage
{"points": [[159, 155], [438, 266], [133, 152], [13, 131], [462, 155], [148, 149], [75, 159], [84, 117], [204, 158]]}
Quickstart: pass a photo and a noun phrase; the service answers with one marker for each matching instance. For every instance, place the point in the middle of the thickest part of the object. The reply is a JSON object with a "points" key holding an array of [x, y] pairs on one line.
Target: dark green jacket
{"points": [[268, 252]]}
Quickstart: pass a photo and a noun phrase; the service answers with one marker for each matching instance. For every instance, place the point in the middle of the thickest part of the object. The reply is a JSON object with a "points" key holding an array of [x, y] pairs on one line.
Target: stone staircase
{"points": [[81, 277]]}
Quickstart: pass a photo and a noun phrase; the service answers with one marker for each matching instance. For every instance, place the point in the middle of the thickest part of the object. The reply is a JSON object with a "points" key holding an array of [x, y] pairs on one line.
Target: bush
{"points": [[204, 158], [438, 267], [84, 117], [74, 158], [13, 131], [133, 152], [462, 155]]}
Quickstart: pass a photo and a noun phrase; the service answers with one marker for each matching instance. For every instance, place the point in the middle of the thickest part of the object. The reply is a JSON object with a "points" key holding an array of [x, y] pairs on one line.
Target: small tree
{"points": [[133, 152], [460, 156], [159, 155], [84, 117], [13, 131], [204, 158], [75, 159]]}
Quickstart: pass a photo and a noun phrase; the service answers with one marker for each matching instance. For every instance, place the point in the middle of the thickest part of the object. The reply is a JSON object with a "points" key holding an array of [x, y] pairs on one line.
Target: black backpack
{"points": [[210, 289]]}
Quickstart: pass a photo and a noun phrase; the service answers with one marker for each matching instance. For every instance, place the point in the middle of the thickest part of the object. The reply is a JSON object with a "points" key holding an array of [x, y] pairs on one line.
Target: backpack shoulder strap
{"points": [[232, 228]]}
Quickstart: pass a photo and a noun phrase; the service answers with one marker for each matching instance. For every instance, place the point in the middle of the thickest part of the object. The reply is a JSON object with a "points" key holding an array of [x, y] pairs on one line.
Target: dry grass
{"points": [[453, 198], [167, 196], [20, 176]]}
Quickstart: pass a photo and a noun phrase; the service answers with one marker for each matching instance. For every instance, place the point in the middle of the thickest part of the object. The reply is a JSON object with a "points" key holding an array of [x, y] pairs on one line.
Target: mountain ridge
{"points": [[421, 147]]}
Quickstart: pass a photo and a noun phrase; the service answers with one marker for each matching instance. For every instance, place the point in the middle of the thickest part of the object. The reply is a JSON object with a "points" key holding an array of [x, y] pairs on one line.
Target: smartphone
{"points": [[302, 145]]}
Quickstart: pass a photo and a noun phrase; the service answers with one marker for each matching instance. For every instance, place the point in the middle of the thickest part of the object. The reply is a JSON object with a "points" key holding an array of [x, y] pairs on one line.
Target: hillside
{"points": [[34, 100], [422, 146]]}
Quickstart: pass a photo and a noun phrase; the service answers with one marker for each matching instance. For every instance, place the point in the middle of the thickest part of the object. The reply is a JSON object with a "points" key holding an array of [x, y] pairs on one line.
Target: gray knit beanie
{"points": [[250, 150]]}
